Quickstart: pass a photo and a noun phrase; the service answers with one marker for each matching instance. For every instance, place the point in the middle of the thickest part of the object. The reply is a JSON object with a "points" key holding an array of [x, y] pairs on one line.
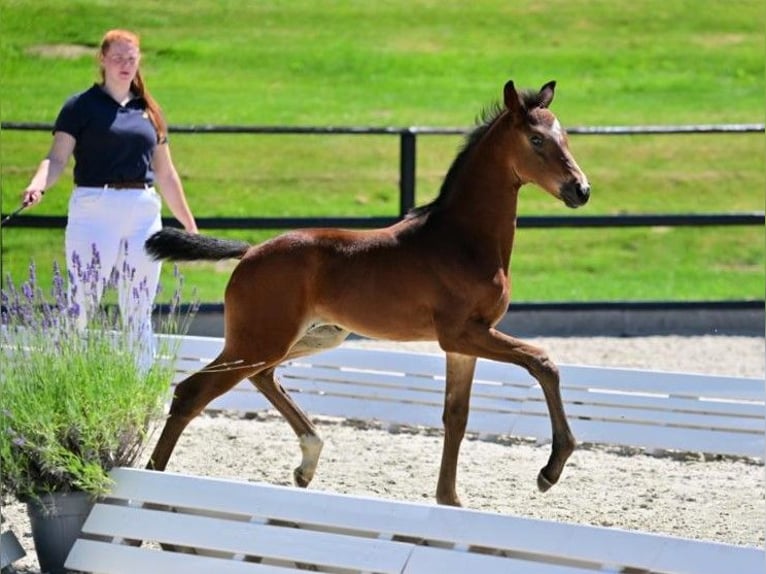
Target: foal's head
{"points": [[541, 152]]}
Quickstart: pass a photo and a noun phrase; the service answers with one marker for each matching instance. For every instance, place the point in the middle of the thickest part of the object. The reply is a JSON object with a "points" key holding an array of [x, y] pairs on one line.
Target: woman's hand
{"points": [[32, 196]]}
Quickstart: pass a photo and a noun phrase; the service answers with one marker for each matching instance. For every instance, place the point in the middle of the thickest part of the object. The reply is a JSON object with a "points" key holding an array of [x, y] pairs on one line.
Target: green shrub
{"points": [[74, 401]]}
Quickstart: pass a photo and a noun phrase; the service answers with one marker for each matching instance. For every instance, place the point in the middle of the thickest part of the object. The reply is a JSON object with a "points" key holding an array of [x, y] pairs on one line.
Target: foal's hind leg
{"points": [[311, 445], [317, 337], [191, 396]]}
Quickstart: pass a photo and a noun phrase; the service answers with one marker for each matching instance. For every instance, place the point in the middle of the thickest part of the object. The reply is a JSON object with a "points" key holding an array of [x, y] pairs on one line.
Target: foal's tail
{"points": [[178, 245]]}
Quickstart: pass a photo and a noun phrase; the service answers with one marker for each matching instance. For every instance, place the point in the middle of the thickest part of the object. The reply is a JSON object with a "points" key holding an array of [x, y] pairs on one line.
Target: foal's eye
{"points": [[536, 140]]}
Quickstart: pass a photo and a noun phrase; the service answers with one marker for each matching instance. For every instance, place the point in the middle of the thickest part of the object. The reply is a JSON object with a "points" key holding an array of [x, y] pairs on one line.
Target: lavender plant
{"points": [[75, 400]]}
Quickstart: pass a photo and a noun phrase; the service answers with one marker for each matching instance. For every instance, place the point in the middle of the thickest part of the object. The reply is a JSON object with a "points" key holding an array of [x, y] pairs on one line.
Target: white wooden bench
{"points": [[10, 550], [202, 525], [630, 407]]}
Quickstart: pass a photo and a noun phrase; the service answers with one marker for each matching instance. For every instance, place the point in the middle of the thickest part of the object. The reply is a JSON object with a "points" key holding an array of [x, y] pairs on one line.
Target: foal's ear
{"points": [[511, 98], [546, 94]]}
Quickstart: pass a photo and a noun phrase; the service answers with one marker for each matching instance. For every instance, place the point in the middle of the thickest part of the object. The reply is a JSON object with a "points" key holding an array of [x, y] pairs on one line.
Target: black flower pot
{"points": [[56, 520]]}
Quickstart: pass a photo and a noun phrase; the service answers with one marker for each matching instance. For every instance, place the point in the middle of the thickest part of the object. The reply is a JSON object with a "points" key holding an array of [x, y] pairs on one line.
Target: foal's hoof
{"points": [[300, 479], [543, 484], [449, 501]]}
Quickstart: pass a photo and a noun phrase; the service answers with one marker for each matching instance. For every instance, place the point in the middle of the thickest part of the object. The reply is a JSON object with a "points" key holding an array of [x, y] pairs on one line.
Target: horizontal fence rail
{"points": [[424, 130], [529, 222], [407, 170]]}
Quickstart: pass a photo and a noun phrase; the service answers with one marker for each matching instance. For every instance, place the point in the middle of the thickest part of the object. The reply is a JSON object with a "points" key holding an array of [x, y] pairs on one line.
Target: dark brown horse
{"points": [[441, 274]]}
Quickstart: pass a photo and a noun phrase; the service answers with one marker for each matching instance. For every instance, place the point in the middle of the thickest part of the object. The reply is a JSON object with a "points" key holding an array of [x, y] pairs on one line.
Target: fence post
{"points": [[407, 149]]}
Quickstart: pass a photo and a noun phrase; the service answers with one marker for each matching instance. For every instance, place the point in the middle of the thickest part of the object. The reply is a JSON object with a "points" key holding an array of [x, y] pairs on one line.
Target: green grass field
{"points": [[399, 63]]}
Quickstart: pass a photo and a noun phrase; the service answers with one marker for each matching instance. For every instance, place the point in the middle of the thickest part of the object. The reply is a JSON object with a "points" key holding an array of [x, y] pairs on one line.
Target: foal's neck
{"points": [[485, 200]]}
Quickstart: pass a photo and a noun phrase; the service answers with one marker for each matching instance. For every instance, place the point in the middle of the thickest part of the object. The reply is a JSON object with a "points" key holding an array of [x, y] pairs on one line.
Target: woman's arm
{"points": [[171, 188], [50, 169]]}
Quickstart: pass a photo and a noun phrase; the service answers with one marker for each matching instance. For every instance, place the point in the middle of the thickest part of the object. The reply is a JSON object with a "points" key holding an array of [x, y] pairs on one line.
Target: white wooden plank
{"points": [[433, 364], [237, 537], [657, 402], [574, 376], [321, 380], [10, 549], [647, 436], [616, 406], [338, 381], [742, 388], [395, 394], [678, 384], [330, 381], [425, 560], [192, 345], [104, 558], [244, 402], [663, 411], [528, 424], [519, 537], [667, 418], [613, 549]]}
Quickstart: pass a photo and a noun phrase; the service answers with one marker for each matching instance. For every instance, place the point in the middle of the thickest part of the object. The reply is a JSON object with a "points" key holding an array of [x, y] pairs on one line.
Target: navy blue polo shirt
{"points": [[114, 143]]}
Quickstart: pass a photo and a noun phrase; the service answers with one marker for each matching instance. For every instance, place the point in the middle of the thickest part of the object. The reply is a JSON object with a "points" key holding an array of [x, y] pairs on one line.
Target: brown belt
{"points": [[128, 185]]}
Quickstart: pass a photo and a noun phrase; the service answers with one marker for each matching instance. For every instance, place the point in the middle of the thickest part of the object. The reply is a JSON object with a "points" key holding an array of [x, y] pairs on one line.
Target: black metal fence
{"points": [[407, 174]]}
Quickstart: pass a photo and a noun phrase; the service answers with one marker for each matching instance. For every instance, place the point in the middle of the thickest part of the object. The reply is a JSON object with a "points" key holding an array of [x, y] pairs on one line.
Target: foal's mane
{"points": [[487, 117]]}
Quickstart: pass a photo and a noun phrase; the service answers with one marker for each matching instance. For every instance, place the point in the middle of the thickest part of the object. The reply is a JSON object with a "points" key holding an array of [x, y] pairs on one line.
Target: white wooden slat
{"points": [[664, 411], [98, 557], [647, 436], [386, 412], [523, 425], [678, 384], [741, 388], [355, 408], [392, 393], [668, 418], [521, 538], [657, 402], [574, 376], [10, 549], [353, 382], [527, 424], [194, 346], [379, 360], [237, 537], [425, 560], [614, 406], [242, 401], [325, 378], [661, 410], [331, 381], [618, 550], [309, 379]]}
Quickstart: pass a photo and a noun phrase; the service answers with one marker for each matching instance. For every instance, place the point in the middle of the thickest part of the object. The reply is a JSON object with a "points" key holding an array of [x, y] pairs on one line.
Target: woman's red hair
{"points": [[137, 86]]}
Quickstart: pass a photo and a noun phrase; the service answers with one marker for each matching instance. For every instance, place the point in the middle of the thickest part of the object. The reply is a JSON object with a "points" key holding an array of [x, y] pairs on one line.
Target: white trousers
{"points": [[104, 241]]}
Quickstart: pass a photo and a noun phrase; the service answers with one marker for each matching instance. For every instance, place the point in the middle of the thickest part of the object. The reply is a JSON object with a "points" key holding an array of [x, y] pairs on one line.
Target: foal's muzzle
{"points": [[574, 193]]}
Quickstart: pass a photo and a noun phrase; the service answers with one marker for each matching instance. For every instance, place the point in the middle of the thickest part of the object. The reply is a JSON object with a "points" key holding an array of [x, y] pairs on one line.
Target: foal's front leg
{"points": [[457, 395], [477, 340]]}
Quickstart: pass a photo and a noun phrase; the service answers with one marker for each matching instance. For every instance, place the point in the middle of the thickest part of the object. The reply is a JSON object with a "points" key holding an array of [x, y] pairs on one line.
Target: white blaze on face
{"points": [[557, 132]]}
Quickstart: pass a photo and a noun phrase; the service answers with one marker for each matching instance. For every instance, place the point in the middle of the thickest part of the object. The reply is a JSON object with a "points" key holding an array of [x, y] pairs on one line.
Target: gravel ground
{"points": [[684, 494]]}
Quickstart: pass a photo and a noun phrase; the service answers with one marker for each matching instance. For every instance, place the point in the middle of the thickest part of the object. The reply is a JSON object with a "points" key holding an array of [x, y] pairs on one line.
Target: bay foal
{"points": [[441, 273]]}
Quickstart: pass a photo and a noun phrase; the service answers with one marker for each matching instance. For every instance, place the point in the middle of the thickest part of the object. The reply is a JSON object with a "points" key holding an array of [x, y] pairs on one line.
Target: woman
{"points": [[118, 136]]}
